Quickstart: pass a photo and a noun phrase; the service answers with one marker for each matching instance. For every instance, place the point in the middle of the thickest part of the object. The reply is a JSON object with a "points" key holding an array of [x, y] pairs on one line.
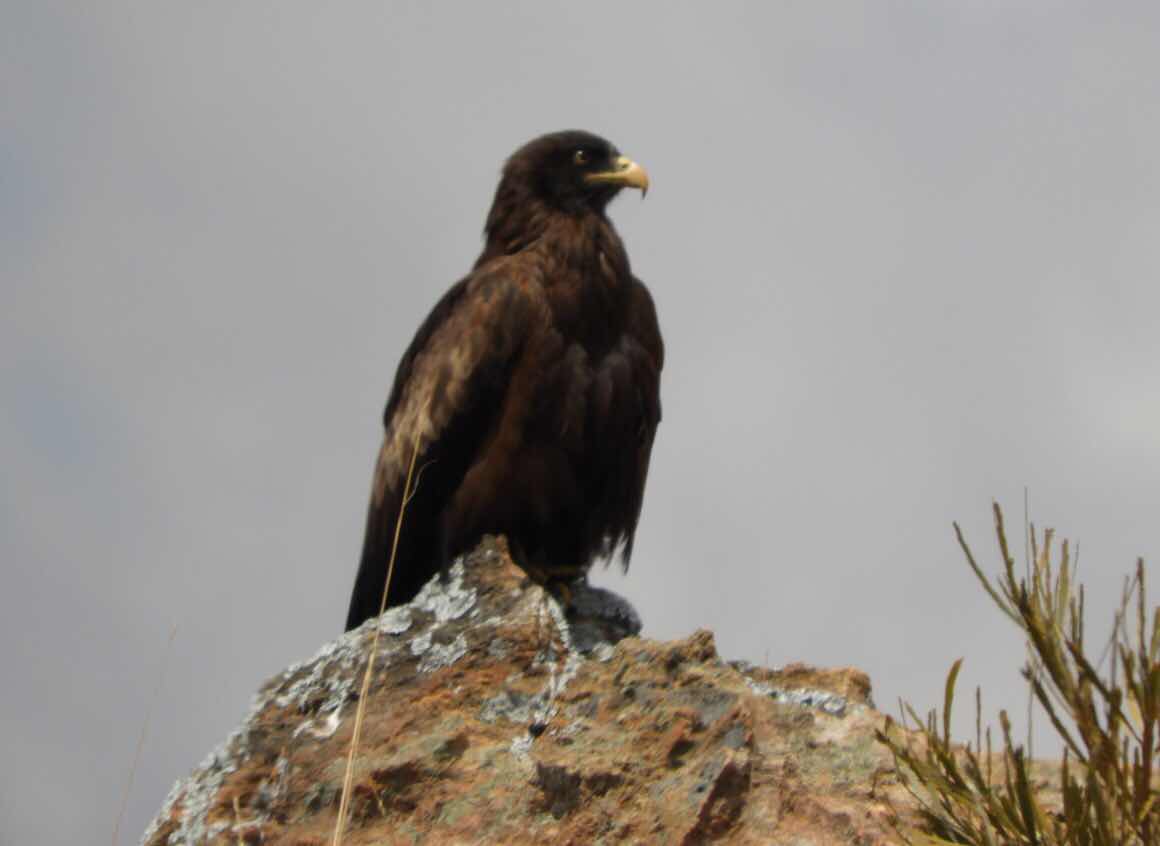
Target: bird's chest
{"points": [[586, 300], [575, 357], [581, 379]]}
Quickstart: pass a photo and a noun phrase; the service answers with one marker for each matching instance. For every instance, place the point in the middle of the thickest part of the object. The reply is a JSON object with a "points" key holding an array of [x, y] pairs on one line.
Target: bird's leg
{"points": [[557, 582], [519, 557], [560, 582], [562, 591]]}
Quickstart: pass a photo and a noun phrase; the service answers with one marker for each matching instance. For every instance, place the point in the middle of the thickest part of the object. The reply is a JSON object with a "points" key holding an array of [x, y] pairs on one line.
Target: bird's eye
{"points": [[580, 157]]}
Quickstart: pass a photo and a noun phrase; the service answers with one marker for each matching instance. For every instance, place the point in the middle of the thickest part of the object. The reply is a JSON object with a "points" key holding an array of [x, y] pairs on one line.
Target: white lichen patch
{"points": [[560, 676], [274, 788], [604, 652], [190, 799], [421, 644], [574, 728], [521, 748], [821, 700], [194, 796], [562, 666], [320, 729], [440, 655], [329, 674], [396, 620], [333, 670], [513, 707], [447, 599]]}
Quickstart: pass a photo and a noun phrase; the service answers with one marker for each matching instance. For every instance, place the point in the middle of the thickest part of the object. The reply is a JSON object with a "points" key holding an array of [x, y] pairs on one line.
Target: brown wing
{"points": [[448, 388], [647, 355]]}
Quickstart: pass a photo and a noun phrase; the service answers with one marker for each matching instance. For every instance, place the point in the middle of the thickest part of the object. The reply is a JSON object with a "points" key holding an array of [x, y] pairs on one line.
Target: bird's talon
{"points": [[561, 592]]}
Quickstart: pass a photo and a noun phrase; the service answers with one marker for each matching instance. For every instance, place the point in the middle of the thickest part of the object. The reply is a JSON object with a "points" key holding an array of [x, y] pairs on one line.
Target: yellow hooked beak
{"points": [[625, 172]]}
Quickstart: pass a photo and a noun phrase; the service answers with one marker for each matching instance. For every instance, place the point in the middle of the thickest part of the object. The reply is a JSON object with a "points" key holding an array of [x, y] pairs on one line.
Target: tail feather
{"points": [[416, 560]]}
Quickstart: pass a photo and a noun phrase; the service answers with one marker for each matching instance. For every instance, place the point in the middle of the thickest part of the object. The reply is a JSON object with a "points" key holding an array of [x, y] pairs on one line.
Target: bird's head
{"points": [[572, 171]]}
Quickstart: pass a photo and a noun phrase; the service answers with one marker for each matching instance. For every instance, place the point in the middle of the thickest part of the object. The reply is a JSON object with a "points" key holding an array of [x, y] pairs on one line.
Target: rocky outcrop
{"points": [[492, 718]]}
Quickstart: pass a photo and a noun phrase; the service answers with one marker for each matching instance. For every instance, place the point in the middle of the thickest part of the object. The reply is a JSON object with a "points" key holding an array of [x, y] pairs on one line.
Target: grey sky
{"points": [[904, 256]]}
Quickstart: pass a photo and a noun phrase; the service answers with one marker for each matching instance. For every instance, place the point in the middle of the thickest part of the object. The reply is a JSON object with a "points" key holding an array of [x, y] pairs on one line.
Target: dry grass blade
{"points": [[144, 732], [348, 777], [1002, 603]]}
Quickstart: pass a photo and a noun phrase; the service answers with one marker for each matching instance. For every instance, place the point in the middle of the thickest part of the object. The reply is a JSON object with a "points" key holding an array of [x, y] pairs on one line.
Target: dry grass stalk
{"points": [[144, 733], [348, 778]]}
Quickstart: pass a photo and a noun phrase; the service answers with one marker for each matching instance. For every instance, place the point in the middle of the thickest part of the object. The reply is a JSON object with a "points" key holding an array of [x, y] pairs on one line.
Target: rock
{"points": [[491, 718]]}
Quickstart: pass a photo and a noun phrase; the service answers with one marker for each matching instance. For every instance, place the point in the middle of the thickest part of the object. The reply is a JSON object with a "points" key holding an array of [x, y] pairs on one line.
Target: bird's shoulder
{"points": [[475, 319], [460, 354], [505, 282]]}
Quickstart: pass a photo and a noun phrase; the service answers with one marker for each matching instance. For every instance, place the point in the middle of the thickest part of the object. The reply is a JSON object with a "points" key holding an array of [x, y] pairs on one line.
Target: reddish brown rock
{"points": [[492, 719]]}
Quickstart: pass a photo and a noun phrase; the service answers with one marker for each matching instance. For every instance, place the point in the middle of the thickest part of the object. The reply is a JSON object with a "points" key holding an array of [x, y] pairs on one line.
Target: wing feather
{"points": [[447, 391]]}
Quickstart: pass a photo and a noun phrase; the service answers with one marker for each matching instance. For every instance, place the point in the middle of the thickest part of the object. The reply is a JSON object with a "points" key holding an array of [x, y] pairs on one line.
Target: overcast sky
{"points": [[904, 256]]}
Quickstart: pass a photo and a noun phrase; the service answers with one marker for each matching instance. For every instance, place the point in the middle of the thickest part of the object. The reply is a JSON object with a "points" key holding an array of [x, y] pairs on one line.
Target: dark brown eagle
{"points": [[532, 388]]}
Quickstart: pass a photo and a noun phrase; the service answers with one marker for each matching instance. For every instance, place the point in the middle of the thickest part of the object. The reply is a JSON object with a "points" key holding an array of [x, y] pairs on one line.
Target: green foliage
{"points": [[1105, 791]]}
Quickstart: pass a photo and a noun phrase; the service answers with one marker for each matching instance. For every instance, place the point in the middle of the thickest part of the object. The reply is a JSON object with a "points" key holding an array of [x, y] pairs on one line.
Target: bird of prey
{"points": [[532, 389]]}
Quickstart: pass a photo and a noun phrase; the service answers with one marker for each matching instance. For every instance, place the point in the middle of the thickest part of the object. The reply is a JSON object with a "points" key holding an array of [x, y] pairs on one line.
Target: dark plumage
{"points": [[532, 387]]}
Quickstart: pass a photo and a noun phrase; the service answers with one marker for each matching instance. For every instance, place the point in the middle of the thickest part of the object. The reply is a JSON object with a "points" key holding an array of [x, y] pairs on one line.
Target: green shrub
{"points": [[1104, 791]]}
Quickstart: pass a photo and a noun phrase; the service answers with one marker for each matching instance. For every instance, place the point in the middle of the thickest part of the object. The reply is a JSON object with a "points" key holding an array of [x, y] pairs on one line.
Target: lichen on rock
{"points": [[495, 717]]}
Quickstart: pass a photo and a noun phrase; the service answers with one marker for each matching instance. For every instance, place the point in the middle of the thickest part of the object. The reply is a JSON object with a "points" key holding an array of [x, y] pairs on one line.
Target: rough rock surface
{"points": [[493, 719]]}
